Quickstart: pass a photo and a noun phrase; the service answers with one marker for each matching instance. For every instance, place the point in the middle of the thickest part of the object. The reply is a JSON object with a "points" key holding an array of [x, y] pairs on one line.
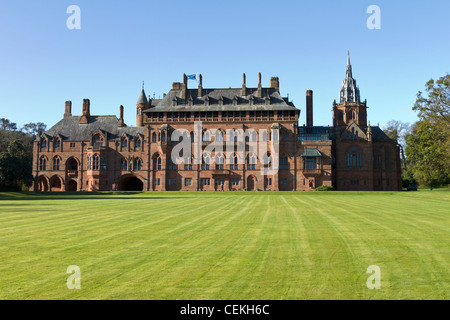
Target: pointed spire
{"points": [[348, 57], [142, 98]]}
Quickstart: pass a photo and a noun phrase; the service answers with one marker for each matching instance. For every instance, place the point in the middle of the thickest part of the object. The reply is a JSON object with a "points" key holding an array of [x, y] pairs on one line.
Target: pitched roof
{"points": [[225, 97], [71, 129]]}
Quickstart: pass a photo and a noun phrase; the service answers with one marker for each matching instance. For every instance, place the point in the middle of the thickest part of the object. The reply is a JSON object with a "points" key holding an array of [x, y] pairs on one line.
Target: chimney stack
{"points": [[275, 83], [309, 108], [259, 90], [244, 85], [68, 109], [200, 85], [86, 111], [184, 87], [121, 122]]}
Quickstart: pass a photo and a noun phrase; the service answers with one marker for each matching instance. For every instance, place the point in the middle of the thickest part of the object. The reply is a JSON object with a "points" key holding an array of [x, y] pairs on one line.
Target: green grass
{"points": [[234, 245]]}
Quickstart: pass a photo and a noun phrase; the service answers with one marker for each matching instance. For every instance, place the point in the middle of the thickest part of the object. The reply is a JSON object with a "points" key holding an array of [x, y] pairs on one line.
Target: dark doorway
{"points": [[71, 185], [131, 184]]}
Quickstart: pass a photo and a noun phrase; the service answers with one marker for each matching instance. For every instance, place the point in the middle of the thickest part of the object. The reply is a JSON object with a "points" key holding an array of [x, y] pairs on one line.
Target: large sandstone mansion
{"points": [[101, 153]]}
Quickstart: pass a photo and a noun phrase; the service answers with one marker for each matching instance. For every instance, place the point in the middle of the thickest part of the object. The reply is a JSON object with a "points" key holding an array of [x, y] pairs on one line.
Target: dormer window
{"points": [[191, 101], [124, 143], [98, 141], [207, 101], [235, 101], [175, 102], [252, 100], [221, 101], [267, 100], [57, 143], [43, 144]]}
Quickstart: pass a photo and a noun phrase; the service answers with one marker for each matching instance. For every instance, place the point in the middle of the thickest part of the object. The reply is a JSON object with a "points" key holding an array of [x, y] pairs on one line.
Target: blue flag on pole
{"points": [[191, 77]]}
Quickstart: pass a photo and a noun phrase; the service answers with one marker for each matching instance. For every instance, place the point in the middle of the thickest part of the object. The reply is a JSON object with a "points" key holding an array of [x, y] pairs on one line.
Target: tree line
{"points": [[16, 154], [425, 145]]}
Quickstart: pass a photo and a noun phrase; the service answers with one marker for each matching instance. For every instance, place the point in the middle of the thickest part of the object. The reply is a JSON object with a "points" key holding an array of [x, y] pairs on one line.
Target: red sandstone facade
{"points": [[101, 153]]}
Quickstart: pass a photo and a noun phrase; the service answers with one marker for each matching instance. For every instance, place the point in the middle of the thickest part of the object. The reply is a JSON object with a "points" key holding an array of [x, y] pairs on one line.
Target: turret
{"points": [[141, 105]]}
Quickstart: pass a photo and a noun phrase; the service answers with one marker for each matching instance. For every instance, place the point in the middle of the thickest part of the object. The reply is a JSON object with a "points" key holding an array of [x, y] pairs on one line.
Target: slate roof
{"points": [[378, 134], [227, 95], [142, 98], [70, 128]]}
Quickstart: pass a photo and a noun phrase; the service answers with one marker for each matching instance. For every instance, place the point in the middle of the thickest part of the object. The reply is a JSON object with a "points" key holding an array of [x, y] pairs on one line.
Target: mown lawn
{"points": [[232, 245]]}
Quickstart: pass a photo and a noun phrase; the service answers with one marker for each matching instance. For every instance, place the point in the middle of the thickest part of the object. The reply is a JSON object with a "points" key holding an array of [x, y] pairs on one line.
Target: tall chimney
{"points": [[68, 109], [309, 108], [259, 90], [275, 83], [200, 85], [121, 122], [244, 85], [184, 87], [86, 111]]}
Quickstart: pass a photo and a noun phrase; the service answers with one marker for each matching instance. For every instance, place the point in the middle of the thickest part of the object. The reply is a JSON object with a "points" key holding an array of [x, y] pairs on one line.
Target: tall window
{"points": [[137, 143], [124, 143], [56, 162], [43, 144], [354, 158], [219, 135], [206, 160], [187, 163], [219, 161], [157, 162], [163, 136], [311, 163], [251, 162], [267, 160], [172, 166], [284, 163], [124, 165], [94, 162], [42, 163], [57, 143], [137, 165], [154, 138], [234, 162], [205, 136]]}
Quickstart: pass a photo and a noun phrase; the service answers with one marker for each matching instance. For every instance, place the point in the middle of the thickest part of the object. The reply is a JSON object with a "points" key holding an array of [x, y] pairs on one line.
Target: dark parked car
{"points": [[411, 187]]}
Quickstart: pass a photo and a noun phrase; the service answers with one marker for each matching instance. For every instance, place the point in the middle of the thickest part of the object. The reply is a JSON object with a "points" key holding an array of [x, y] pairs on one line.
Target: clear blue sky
{"points": [[305, 43]]}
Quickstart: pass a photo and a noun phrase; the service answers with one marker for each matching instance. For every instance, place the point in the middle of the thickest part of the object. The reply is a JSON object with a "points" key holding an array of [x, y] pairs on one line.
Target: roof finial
{"points": [[348, 57], [142, 85]]}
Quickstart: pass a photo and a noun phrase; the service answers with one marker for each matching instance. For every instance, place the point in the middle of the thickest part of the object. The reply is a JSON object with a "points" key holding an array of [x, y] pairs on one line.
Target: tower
{"points": [[350, 108], [141, 105]]}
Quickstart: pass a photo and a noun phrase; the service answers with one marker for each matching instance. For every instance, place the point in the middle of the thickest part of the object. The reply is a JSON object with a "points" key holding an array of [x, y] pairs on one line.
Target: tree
{"points": [[428, 145], [16, 154], [428, 152], [34, 129], [6, 125], [399, 131], [436, 106]]}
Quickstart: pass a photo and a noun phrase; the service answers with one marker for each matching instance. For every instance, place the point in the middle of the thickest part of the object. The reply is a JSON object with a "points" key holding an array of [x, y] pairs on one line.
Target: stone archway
{"points": [[130, 183], [71, 185], [42, 184], [251, 183], [56, 184]]}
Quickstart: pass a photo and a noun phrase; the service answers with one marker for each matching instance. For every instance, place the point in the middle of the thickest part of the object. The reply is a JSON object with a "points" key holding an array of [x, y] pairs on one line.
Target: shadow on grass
{"points": [[110, 195]]}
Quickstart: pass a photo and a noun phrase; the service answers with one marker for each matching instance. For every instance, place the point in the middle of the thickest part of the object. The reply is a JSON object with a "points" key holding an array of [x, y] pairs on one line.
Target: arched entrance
{"points": [[251, 181], [71, 185], [130, 183], [42, 184], [55, 183]]}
